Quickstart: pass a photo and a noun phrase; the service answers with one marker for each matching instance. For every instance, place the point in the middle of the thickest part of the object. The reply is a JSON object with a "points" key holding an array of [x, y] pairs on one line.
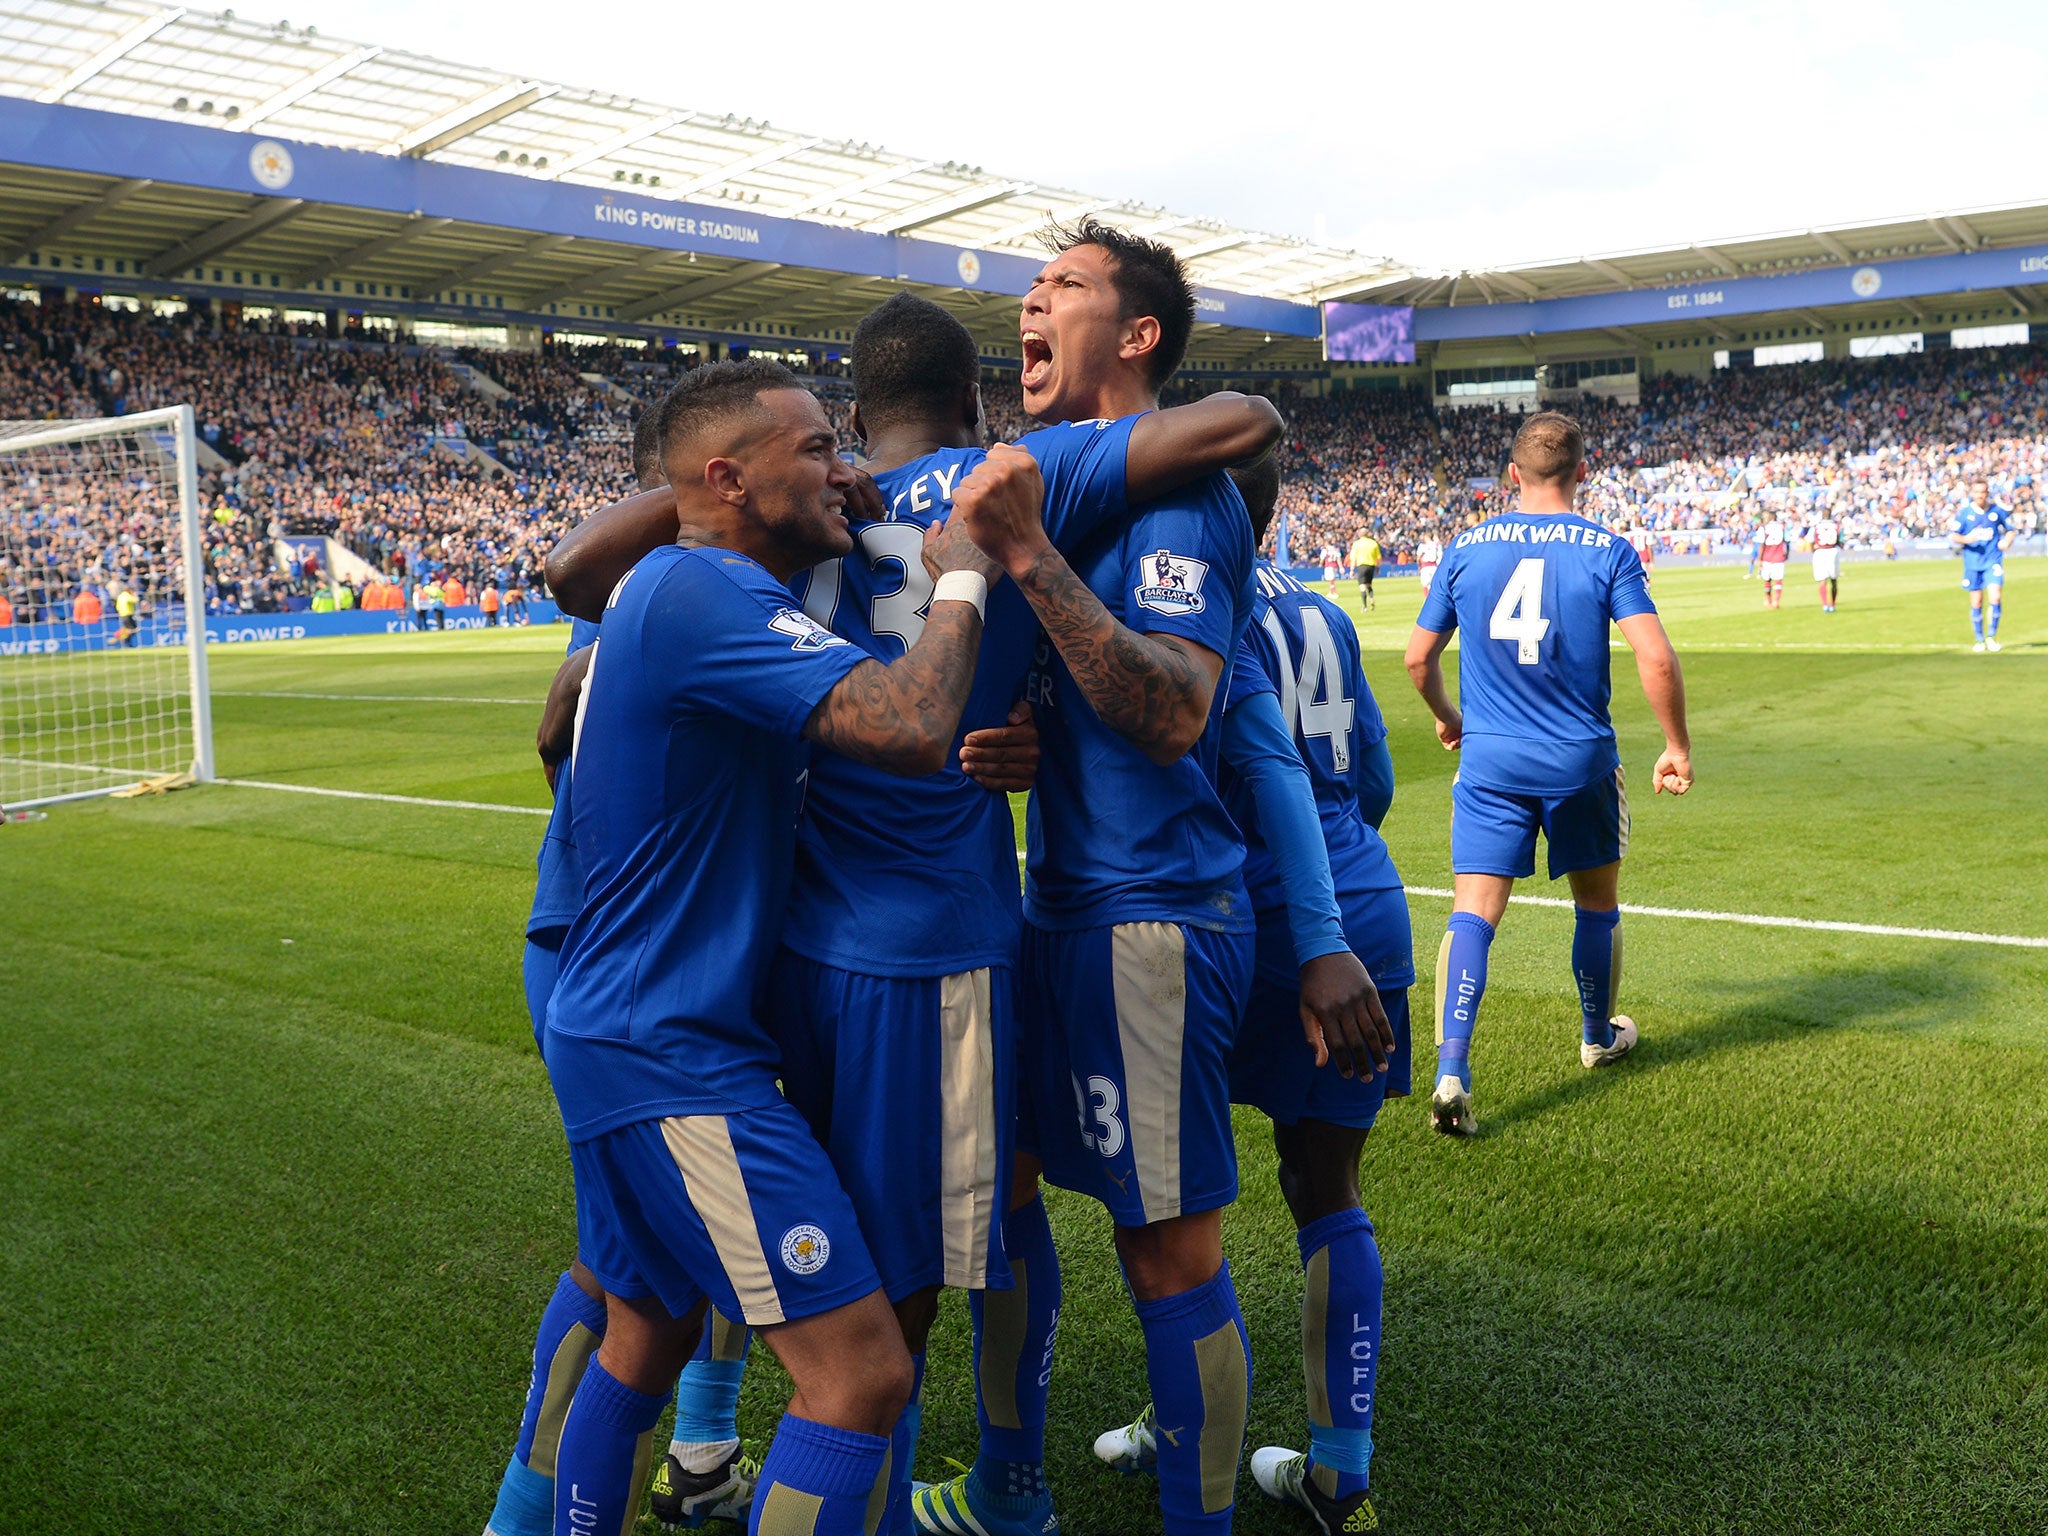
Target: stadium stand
{"points": [[470, 464]]}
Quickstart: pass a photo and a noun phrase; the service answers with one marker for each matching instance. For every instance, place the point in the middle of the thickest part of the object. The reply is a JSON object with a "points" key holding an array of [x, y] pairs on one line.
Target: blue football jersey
{"points": [[689, 768], [1534, 594], [1302, 647], [1114, 837], [1974, 519], [918, 877], [558, 892]]}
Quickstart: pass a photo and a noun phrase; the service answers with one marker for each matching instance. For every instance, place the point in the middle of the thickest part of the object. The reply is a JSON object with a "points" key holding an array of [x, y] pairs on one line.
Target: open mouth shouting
{"points": [[1037, 360]]}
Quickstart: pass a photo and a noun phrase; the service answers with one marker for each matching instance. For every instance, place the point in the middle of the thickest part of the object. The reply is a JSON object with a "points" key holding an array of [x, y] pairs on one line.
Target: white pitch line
{"points": [[365, 794], [1762, 920], [376, 698]]}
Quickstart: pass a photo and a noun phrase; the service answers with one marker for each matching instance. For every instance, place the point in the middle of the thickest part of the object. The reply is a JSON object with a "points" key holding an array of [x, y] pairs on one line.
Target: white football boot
{"points": [[1450, 1108], [1607, 1055], [1132, 1447]]}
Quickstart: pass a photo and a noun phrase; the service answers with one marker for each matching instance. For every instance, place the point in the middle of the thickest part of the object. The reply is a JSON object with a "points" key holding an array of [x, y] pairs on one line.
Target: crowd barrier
{"points": [[243, 628]]}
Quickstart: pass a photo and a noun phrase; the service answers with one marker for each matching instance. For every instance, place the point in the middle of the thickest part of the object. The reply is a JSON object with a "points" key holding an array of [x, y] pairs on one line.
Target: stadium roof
{"points": [[1786, 251], [264, 80]]}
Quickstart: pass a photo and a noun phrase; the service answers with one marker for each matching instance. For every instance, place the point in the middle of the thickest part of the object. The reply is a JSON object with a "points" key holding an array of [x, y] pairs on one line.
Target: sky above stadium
{"points": [[1462, 136]]}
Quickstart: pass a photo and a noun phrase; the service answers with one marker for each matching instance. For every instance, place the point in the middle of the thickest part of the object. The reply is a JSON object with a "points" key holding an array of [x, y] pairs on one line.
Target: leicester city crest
{"points": [[805, 1249], [271, 164]]}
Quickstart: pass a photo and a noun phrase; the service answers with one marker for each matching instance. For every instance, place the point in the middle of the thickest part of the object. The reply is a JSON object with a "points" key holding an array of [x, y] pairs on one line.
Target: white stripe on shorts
{"points": [[703, 1150], [1621, 795], [967, 1126], [1149, 970]]}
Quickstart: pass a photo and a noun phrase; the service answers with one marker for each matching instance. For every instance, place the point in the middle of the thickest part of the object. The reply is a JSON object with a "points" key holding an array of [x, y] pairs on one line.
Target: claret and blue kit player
{"points": [[818, 1041]]}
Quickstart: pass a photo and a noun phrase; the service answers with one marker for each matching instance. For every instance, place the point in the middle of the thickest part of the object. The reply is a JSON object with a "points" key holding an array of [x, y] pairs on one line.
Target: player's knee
{"points": [[1166, 1258], [1318, 1168]]}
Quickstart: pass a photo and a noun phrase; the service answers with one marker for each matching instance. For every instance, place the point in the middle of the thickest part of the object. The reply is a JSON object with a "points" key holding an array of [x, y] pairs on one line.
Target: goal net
{"points": [[102, 679]]}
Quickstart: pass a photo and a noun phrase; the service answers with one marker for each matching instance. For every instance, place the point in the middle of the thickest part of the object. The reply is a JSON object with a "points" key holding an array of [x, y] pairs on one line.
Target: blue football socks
{"points": [[1199, 1363], [1992, 623], [1460, 984], [1014, 1332], [1977, 622], [708, 1395], [607, 1443], [1340, 1342], [817, 1480], [1596, 966], [570, 1329]]}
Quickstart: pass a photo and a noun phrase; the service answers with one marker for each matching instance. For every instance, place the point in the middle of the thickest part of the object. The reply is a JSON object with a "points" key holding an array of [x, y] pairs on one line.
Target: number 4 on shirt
{"points": [[1518, 616]]}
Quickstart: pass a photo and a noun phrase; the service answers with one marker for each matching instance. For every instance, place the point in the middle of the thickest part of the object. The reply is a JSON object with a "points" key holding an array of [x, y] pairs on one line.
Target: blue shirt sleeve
{"points": [[729, 638], [1629, 589], [1257, 745], [1372, 781], [1251, 669], [581, 633], [1440, 609], [1184, 564], [1082, 463]]}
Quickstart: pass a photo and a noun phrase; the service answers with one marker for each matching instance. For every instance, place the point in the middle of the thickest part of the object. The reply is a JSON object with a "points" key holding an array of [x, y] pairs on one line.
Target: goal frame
{"points": [[179, 419]]}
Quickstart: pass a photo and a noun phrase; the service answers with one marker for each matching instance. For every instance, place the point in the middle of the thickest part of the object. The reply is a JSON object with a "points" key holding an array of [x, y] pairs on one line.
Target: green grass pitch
{"points": [[282, 1187]]}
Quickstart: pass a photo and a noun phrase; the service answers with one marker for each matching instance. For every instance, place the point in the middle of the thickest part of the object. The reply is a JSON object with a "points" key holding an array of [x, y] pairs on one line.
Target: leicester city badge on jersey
{"points": [[806, 631], [1170, 583], [805, 1249]]}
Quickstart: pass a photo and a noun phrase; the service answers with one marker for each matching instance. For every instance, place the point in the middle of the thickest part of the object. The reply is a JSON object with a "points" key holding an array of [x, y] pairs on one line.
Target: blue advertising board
{"points": [[243, 629], [1369, 333], [1912, 277], [69, 138]]}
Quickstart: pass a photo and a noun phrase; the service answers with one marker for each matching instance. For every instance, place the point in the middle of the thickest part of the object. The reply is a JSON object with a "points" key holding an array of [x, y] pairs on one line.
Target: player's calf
{"points": [[570, 1329]]}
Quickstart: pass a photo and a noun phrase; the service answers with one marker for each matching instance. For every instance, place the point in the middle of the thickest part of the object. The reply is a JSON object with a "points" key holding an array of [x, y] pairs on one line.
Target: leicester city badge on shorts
{"points": [[805, 1249], [808, 633], [1170, 583]]}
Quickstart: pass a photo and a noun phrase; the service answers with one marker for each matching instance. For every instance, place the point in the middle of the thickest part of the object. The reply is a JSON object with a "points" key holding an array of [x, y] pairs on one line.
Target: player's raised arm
{"points": [[1153, 690], [583, 568], [902, 717], [1172, 447], [1664, 686]]}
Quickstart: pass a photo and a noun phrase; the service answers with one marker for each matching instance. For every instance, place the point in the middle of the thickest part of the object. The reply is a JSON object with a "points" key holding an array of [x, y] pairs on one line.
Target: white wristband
{"points": [[963, 587]]}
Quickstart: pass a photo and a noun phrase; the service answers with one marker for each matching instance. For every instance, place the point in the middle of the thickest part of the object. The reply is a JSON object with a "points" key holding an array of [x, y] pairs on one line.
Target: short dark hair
{"points": [[647, 446], [715, 392], [1549, 448], [911, 357], [1259, 484], [1149, 280]]}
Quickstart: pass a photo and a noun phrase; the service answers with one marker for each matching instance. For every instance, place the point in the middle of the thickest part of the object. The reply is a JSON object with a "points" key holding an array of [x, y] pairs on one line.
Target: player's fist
{"points": [[1452, 731], [949, 547], [1001, 504], [1673, 774]]}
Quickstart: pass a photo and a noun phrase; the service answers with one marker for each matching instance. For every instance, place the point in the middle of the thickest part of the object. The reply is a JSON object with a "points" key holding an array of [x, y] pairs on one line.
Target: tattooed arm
{"points": [[902, 717], [1153, 690]]}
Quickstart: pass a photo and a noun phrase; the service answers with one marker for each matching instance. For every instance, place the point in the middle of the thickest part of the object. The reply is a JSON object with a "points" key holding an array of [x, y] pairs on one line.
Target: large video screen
{"points": [[1369, 333]]}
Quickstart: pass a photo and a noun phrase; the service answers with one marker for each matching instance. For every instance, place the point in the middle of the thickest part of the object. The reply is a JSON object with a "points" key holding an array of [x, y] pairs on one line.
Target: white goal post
{"points": [[102, 607]]}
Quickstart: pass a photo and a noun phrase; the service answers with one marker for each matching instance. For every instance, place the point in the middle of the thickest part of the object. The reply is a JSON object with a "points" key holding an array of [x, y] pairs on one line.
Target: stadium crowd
{"points": [[464, 468]]}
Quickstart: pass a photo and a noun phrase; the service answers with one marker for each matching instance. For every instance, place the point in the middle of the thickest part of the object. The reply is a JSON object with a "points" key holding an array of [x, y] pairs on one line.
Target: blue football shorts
{"points": [[1273, 1067], [1127, 1034], [543, 963], [742, 1208], [911, 1086], [1493, 831], [1976, 577]]}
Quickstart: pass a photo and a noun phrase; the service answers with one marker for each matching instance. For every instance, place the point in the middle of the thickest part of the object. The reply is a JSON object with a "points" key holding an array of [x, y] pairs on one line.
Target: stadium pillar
{"points": [[333, 325]]}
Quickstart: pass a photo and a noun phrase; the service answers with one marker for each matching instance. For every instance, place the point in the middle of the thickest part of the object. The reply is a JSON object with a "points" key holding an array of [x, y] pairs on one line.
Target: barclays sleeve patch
{"points": [[807, 633], [1169, 583]]}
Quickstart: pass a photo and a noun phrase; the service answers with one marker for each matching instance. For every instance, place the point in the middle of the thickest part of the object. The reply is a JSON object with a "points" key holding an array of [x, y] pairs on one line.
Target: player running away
{"points": [[1534, 591], [1984, 532], [1772, 549], [1332, 569], [1429, 555], [1827, 560], [1644, 543]]}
